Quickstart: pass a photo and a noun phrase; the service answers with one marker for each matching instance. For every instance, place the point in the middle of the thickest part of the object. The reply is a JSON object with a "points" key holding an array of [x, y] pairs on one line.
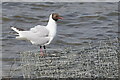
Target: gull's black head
{"points": [[55, 16]]}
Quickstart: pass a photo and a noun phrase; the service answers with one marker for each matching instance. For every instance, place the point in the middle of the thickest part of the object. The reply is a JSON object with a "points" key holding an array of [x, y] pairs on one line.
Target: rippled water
{"points": [[82, 23]]}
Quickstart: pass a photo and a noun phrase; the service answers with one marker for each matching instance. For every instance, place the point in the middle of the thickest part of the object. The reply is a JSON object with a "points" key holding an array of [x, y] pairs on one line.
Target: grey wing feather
{"points": [[40, 30]]}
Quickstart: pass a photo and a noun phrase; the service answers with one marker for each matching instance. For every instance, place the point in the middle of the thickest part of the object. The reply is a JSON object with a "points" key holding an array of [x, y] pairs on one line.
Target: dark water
{"points": [[82, 23]]}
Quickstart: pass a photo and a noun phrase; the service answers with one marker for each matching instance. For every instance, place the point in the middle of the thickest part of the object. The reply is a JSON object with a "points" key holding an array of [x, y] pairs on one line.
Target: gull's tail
{"points": [[19, 31], [15, 29]]}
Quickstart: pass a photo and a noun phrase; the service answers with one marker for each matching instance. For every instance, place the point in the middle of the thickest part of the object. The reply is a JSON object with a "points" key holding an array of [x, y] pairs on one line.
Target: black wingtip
{"points": [[11, 26], [18, 28]]}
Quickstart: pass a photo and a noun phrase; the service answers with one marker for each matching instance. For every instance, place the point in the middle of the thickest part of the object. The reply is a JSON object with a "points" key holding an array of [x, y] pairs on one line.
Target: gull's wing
{"points": [[40, 31], [37, 35]]}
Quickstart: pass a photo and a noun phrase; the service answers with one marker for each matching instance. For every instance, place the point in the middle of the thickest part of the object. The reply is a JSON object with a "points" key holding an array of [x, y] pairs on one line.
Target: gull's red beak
{"points": [[60, 17]]}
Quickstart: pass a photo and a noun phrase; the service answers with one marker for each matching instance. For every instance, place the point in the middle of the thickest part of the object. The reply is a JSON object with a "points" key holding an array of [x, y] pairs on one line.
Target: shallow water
{"points": [[82, 23]]}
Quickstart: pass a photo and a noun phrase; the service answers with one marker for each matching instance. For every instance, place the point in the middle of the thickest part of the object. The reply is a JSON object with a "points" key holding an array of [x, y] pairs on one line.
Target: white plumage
{"points": [[40, 35]]}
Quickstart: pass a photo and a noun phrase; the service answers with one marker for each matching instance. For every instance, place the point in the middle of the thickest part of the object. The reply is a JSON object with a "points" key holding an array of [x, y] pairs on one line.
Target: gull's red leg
{"points": [[41, 51]]}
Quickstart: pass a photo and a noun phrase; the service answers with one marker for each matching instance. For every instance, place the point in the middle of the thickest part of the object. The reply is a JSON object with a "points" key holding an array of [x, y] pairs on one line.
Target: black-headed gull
{"points": [[40, 35]]}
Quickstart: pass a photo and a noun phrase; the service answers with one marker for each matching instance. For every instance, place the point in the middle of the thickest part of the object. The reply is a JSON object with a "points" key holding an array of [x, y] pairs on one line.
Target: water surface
{"points": [[82, 23]]}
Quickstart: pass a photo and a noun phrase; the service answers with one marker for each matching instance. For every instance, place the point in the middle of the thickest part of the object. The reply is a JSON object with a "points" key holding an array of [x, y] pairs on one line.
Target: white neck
{"points": [[51, 26]]}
